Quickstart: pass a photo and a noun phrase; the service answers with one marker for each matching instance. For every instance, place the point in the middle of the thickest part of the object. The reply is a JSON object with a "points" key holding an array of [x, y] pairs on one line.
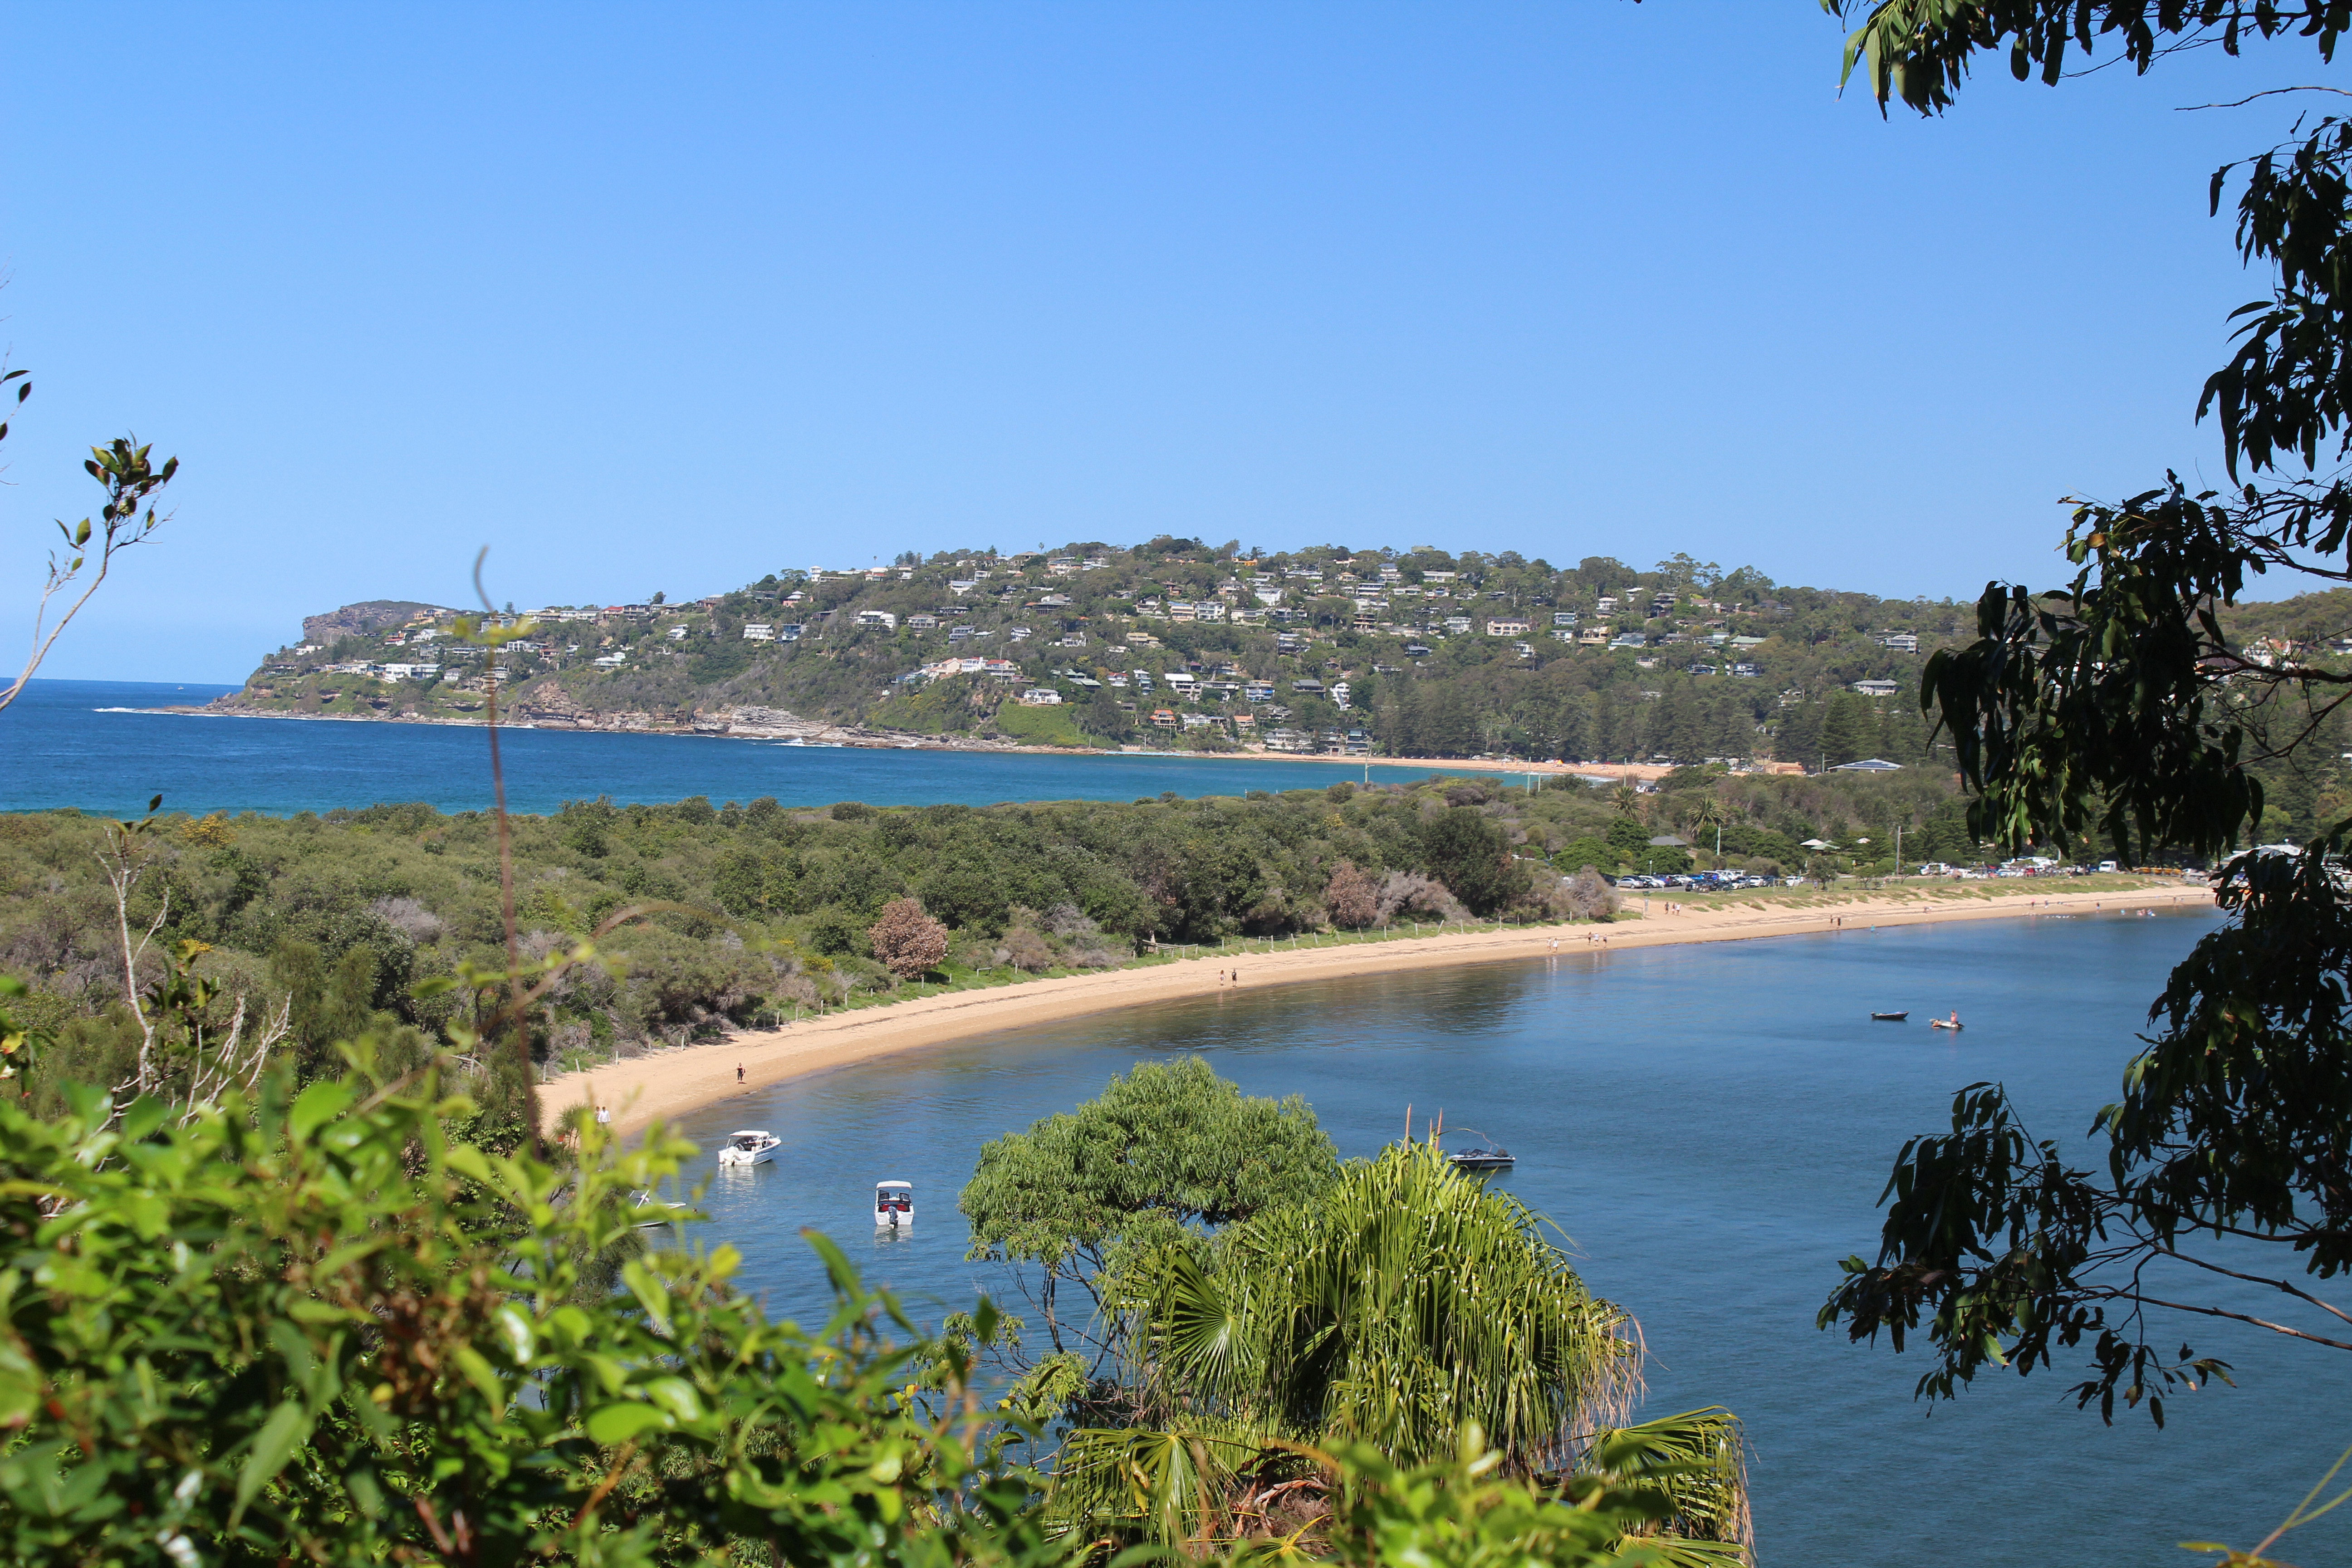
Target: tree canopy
{"points": [[1168, 1150], [2117, 707], [1396, 1304]]}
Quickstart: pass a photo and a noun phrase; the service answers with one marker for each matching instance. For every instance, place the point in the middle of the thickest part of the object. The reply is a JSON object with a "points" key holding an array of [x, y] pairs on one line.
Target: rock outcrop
{"points": [[358, 620]]}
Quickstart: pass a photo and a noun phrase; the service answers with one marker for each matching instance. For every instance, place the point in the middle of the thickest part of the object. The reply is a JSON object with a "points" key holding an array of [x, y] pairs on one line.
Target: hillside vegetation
{"points": [[1177, 644], [753, 912]]}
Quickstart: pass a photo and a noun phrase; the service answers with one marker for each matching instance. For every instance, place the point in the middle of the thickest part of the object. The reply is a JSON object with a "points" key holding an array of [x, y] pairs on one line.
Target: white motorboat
{"points": [[749, 1148], [893, 1205]]}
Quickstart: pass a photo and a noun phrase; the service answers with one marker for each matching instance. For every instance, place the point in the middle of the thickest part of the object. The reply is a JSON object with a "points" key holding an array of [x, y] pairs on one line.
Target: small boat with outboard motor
{"points": [[893, 1205], [749, 1147], [1952, 1023], [1479, 1156]]}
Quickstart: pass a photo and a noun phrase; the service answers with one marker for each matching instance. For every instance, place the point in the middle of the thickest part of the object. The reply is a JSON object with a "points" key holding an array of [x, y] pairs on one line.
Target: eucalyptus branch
{"points": [[2239, 1318], [2280, 1285], [131, 480], [2240, 103]]}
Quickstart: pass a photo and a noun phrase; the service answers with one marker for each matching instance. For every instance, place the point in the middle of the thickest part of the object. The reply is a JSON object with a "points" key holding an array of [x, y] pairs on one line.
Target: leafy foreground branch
{"points": [[316, 1326], [2117, 708]]}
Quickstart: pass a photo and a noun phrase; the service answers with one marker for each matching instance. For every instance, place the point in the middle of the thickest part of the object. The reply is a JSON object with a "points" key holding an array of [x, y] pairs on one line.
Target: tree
{"points": [[1168, 1147], [907, 940], [1588, 851], [1848, 728], [2114, 710], [1471, 856], [1388, 1310], [1589, 898], [1353, 899], [1629, 838], [131, 480]]}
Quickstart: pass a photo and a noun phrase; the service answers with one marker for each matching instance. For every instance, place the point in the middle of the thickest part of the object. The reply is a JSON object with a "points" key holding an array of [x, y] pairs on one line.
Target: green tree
{"points": [[1471, 856], [1587, 850], [1629, 838], [2115, 710], [1848, 728], [1386, 1311], [1168, 1147]]}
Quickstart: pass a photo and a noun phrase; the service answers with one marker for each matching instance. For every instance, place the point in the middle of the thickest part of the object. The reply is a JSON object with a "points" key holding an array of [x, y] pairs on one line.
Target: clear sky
{"points": [[669, 297]]}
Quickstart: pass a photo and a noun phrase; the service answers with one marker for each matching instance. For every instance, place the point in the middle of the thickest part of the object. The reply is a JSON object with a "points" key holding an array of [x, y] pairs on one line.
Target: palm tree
{"points": [[1626, 799], [1703, 821], [1404, 1302]]}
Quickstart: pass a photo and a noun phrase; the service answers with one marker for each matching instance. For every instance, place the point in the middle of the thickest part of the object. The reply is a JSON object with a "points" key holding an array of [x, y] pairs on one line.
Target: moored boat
{"points": [[893, 1205], [1891, 1017], [749, 1147]]}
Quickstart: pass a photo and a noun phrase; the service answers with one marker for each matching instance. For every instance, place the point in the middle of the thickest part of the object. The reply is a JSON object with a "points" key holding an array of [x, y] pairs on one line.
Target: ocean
{"points": [[86, 744], [1712, 1126]]}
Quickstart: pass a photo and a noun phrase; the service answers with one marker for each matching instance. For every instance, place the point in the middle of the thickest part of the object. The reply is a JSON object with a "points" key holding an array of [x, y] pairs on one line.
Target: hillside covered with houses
{"points": [[1175, 643]]}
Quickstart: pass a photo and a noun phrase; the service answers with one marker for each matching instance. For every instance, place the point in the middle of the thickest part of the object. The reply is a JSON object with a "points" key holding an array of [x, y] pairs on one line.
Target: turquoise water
{"points": [[60, 746], [1712, 1126]]}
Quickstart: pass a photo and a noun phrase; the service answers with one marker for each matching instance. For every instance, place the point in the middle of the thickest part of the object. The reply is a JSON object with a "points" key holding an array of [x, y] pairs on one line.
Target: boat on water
{"points": [[1891, 1017], [1952, 1023], [893, 1205], [749, 1147], [1483, 1158]]}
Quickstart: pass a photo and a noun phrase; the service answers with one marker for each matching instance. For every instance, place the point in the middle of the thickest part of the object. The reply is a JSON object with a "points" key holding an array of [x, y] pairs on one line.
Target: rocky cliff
{"points": [[358, 620]]}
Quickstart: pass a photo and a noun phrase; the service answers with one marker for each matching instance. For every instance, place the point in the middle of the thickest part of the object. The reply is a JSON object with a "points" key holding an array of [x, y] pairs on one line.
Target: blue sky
{"points": [[667, 298]]}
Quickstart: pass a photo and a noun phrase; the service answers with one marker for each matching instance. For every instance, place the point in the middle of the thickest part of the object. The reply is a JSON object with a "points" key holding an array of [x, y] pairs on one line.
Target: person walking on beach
{"points": [[739, 1072]]}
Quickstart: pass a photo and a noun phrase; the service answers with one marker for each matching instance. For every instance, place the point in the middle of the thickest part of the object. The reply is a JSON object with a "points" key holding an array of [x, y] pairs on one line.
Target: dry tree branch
{"points": [[2267, 92], [2283, 1285]]}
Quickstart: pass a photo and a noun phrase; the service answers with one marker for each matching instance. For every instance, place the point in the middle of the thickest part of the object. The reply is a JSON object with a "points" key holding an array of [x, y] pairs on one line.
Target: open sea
{"points": [[1712, 1125], [84, 743]]}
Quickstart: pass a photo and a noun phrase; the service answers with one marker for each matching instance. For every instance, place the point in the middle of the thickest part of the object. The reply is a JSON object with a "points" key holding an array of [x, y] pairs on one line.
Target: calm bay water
{"points": [[1712, 1126], [64, 744]]}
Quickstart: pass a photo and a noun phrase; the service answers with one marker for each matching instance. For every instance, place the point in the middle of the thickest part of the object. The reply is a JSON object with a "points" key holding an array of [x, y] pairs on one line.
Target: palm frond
{"points": [[1696, 1461]]}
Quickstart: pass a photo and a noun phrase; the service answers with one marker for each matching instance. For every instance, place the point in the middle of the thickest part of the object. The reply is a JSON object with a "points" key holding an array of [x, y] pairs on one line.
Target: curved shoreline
{"points": [[668, 1084]]}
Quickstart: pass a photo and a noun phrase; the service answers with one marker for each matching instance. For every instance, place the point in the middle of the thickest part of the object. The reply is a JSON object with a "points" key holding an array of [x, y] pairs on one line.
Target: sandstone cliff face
{"points": [[358, 620]]}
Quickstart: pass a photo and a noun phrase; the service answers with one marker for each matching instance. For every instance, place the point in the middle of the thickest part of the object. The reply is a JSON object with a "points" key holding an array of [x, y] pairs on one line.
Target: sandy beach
{"points": [[666, 1084]]}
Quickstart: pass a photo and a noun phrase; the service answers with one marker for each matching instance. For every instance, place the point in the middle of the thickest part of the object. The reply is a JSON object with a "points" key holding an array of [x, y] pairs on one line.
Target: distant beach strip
{"points": [[666, 1085]]}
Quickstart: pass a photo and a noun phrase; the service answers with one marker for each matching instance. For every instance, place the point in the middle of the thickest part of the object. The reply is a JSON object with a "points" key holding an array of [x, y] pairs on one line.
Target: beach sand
{"points": [[667, 1084]]}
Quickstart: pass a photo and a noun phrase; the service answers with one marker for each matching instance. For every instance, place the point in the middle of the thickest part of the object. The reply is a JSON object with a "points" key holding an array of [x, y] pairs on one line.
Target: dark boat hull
{"points": [[1889, 1017]]}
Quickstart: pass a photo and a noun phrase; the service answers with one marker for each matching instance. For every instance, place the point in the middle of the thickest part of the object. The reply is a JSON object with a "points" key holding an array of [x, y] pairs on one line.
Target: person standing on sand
{"points": [[739, 1072]]}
